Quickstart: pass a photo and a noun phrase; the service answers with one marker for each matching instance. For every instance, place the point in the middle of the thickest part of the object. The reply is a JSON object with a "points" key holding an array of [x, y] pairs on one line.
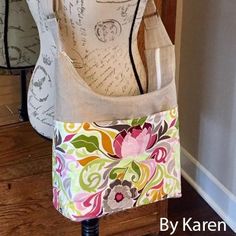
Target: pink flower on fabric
{"points": [[56, 193], [134, 141], [119, 196], [161, 152], [89, 204], [59, 165], [160, 155]]}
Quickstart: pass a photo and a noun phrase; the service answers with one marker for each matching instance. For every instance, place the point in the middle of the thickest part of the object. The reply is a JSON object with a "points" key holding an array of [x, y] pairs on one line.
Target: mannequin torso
{"points": [[95, 34]]}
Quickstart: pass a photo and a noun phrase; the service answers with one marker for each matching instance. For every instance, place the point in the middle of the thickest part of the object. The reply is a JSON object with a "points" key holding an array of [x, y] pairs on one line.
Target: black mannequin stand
{"points": [[23, 110], [90, 227]]}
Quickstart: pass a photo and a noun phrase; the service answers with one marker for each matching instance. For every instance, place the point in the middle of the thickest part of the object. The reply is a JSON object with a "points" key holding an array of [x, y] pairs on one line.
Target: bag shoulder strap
{"points": [[159, 50], [156, 35]]}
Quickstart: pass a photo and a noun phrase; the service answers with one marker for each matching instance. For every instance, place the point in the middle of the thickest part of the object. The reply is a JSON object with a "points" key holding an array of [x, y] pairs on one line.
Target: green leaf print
{"points": [[116, 172], [130, 172], [90, 143], [135, 167], [156, 179], [91, 175], [140, 121]]}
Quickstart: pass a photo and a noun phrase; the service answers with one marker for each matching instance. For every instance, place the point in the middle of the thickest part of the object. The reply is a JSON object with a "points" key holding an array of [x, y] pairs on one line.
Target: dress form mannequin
{"points": [[95, 34]]}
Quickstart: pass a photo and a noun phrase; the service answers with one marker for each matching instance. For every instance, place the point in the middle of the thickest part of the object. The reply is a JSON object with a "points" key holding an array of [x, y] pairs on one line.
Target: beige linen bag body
{"points": [[115, 153]]}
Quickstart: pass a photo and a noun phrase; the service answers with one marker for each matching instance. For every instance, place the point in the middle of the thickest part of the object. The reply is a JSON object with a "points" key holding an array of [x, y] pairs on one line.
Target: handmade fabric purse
{"points": [[115, 153], [19, 41]]}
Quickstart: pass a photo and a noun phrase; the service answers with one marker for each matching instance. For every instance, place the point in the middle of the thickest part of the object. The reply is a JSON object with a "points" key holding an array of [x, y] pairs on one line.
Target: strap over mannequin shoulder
{"points": [[156, 35], [159, 49]]}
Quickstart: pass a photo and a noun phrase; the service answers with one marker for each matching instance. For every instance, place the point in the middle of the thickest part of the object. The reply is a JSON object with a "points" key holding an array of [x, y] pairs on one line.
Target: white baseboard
{"points": [[211, 190]]}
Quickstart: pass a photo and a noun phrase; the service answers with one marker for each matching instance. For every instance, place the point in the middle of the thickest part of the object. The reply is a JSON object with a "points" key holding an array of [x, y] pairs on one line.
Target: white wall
{"points": [[207, 100]]}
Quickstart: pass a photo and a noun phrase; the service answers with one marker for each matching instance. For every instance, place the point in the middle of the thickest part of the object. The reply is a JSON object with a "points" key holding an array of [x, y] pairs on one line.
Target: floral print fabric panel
{"points": [[101, 168]]}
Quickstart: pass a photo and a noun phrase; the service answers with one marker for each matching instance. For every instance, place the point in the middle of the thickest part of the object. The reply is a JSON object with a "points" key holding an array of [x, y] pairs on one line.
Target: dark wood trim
{"points": [[168, 14]]}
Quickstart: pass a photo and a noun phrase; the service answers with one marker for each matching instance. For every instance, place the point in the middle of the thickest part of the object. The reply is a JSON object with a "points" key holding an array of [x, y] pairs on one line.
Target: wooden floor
{"points": [[25, 193], [9, 99]]}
